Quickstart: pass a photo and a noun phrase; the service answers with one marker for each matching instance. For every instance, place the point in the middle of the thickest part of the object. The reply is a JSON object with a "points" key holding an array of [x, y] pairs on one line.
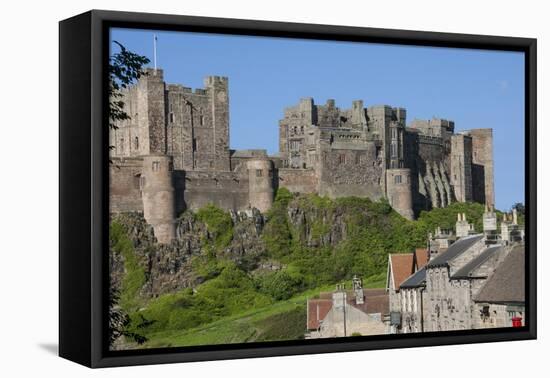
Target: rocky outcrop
{"points": [[169, 267], [317, 226]]}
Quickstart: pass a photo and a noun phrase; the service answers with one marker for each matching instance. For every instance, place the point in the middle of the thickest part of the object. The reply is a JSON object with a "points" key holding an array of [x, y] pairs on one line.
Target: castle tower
{"points": [[482, 166], [398, 190], [217, 90], [151, 112], [260, 183], [461, 167], [158, 196]]}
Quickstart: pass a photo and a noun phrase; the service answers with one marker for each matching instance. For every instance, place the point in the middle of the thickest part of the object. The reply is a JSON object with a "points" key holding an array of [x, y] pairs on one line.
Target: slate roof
{"points": [[457, 248], [401, 267], [467, 271], [507, 284], [416, 280]]}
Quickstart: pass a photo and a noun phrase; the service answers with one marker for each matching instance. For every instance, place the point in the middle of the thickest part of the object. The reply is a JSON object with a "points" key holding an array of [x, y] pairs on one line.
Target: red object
{"points": [[516, 321]]}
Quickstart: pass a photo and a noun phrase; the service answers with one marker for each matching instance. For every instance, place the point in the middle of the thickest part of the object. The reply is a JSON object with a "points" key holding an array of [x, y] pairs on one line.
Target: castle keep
{"points": [[173, 154]]}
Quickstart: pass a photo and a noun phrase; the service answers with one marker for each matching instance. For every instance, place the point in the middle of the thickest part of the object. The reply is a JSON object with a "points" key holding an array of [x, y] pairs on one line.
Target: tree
{"points": [[520, 208], [125, 67], [119, 321]]}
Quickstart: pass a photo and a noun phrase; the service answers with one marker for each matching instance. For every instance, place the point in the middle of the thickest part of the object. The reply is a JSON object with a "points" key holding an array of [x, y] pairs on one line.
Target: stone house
{"points": [[455, 290], [348, 313], [502, 298], [404, 299]]}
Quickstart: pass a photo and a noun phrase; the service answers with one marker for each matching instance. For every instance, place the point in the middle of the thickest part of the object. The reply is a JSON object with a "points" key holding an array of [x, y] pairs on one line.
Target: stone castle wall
{"points": [[298, 180], [125, 185], [482, 166], [227, 190], [323, 149]]}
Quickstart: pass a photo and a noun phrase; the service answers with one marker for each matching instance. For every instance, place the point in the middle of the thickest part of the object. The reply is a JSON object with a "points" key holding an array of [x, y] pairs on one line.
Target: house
{"points": [[501, 302], [348, 312], [469, 281], [404, 300]]}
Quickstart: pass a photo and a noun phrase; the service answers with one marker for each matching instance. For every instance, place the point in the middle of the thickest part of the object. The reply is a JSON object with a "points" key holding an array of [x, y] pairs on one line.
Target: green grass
{"points": [[134, 277], [284, 320]]}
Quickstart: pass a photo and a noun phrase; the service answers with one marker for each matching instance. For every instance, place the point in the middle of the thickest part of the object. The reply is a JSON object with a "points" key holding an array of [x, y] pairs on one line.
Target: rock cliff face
{"points": [[169, 268], [191, 258], [317, 227]]}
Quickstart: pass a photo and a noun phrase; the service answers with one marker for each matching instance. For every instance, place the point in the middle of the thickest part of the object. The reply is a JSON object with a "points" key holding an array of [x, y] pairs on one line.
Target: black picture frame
{"points": [[83, 180]]}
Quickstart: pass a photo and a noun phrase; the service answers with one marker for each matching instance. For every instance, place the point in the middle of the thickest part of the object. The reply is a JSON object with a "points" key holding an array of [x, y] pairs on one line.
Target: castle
{"points": [[173, 154]]}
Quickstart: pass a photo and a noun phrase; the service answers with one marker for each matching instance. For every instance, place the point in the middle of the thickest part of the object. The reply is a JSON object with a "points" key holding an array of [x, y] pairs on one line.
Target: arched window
{"points": [[136, 143]]}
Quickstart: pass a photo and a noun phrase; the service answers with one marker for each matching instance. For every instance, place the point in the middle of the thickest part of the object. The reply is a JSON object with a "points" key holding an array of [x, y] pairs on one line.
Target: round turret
{"points": [[399, 191], [260, 183], [158, 196]]}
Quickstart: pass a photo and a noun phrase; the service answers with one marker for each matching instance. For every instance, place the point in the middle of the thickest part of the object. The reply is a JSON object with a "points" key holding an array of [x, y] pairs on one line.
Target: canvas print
{"points": [[273, 189]]}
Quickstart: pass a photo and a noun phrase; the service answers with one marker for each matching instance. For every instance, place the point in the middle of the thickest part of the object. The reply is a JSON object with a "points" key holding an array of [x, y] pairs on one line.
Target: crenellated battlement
{"points": [[175, 146]]}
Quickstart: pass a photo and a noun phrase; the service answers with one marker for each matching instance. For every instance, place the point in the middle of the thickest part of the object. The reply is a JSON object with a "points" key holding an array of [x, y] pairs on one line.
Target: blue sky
{"points": [[475, 88]]}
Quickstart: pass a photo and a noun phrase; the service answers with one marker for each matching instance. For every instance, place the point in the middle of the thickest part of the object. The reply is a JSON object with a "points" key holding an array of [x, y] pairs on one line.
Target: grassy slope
{"points": [[284, 320]]}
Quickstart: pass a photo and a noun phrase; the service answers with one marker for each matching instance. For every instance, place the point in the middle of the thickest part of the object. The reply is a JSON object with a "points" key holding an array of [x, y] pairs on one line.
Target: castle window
{"points": [[301, 129], [136, 143], [342, 159], [397, 179], [194, 144], [170, 166], [394, 133], [393, 150], [156, 166], [201, 120], [121, 145], [358, 159], [141, 182], [171, 117], [259, 173]]}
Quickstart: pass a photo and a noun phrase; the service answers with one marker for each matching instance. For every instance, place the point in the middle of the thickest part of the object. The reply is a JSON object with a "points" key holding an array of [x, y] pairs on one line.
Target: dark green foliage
{"points": [[446, 218], [119, 321], [520, 208], [219, 224], [276, 234], [134, 277], [231, 292], [281, 285], [125, 67]]}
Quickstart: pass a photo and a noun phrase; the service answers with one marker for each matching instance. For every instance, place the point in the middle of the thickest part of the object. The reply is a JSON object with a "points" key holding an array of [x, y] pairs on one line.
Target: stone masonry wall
{"points": [[124, 185], [298, 180]]}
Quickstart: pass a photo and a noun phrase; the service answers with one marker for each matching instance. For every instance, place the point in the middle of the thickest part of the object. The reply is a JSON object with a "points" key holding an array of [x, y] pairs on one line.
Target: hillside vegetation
{"points": [[248, 279]]}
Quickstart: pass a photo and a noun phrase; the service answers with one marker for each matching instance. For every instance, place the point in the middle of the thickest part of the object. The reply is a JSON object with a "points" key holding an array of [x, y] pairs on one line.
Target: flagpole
{"points": [[155, 52]]}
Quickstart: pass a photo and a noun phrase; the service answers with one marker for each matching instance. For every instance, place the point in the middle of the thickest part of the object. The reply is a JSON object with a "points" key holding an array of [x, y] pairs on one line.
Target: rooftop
{"points": [[401, 265], [416, 280], [468, 270], [507, 284], [457, 248]]}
